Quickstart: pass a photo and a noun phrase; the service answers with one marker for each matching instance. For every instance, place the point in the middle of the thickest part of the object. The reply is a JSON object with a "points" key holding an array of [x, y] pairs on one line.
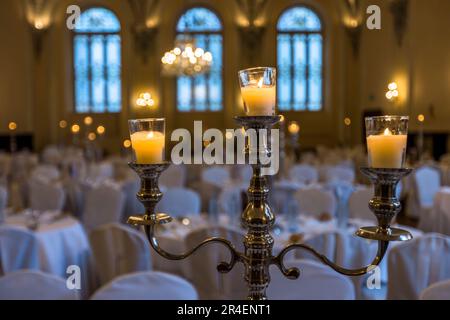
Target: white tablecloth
{"points": [[62, 242]]}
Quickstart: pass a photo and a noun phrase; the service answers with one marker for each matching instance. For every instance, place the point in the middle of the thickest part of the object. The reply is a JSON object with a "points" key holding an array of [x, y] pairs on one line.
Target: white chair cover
{"points": [[316, 201], [179, 202], [118, 250], [150, 285], [345, 249], [339, 173], [437, 291], [3, 203], [358, 204], [132, 205], [316, 282], [209, 283], [51, 155], [427, 182], [216, 176], [19, 249], [414, 265], [174, 177], [304, 174], [46, 195], [45, 173], [103, 204], [230, 199], [34, 285], [99, 172]]}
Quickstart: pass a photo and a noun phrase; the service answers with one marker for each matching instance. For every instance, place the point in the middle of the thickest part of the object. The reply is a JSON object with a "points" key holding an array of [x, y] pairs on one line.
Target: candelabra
{"points": [[258, 218]]}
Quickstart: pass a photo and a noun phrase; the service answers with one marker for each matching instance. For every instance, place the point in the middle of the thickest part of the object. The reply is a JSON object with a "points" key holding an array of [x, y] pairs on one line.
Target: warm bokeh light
{"points": [[88, 120], [12, 126], [92, 136], [63, 124], [421, 118], [127, 143], [75, 129], [282, 118], [393, 93], [101, 130], [145, 100], [294, 127], [229, 135], [392, 86], [347, 121]]}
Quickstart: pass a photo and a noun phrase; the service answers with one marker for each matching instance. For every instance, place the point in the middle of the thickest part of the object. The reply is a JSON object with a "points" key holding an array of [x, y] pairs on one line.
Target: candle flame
{"points": [[150, 134], [387, 132], [260, 83]]}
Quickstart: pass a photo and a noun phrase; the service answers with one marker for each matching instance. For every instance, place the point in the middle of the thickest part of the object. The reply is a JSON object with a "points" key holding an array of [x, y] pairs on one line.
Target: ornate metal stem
{"points": [[258, 218]]}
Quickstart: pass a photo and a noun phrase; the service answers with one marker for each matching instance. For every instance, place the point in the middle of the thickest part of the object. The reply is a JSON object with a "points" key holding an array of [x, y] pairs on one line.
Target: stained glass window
{"points": [[201, 92], [300, 60], [97, 62]]}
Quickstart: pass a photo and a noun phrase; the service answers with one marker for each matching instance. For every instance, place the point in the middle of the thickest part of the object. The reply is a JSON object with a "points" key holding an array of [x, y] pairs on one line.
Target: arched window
{"points": [[97, 62], [202, 92], [300, 60]]}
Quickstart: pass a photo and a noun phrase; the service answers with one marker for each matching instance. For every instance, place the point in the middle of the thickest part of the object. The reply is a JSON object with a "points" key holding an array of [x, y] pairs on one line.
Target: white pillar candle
{"points": [[386, 150], [148, 146], [259, 99]]}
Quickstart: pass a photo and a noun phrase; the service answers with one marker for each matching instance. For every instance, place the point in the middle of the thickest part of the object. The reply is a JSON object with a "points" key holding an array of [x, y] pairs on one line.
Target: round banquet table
{"points": [[62, 242]]}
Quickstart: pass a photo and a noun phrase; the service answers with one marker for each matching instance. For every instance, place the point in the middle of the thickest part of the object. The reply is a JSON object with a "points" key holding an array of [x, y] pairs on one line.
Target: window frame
{"points": [[193, 33], [321, 32], [73, 34]]}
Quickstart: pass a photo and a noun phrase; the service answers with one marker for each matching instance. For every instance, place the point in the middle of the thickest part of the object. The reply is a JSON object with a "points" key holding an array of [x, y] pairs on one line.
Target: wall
{"points": [[37, 93]]}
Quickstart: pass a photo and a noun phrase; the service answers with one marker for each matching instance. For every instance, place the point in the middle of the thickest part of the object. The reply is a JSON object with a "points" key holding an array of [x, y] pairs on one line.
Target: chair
{"points": [[179, 202], [437, 291], [304, 174], [216, 176], [345, 249], [339, 173], [46, 196], [174, 177], [3, 203], [316, 201], [209, 283], [426, 183], [103, 204], [132, 205], [34, 285], [316, 282], [19, 249], [414, 265], [119, 249], [46, 173], [150, 285], [359, 204]]}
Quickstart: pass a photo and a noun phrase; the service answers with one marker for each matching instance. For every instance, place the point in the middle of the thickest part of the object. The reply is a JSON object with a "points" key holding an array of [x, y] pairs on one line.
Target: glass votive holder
{"points": [[258, 90], [148, 140], [386, 141]]}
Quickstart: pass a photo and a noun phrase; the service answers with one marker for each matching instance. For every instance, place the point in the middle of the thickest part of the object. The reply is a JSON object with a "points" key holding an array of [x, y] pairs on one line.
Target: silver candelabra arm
{"points": [[294, 273], [149, 195]]}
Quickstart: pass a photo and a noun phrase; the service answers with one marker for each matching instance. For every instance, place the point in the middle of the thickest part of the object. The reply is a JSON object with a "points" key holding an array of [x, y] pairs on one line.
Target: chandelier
{"points": [[186, 60]]}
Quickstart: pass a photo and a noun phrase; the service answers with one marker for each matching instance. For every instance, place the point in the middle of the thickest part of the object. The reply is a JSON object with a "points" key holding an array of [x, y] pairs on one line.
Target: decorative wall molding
{"points": [[400, 12], [252, 28], [145, 26]]}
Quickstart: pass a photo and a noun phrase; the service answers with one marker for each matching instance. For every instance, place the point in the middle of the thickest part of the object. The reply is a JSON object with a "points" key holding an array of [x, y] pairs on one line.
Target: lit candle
{"points": [[386, 150], [148, 146], [258, 90], [259, 99]]}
